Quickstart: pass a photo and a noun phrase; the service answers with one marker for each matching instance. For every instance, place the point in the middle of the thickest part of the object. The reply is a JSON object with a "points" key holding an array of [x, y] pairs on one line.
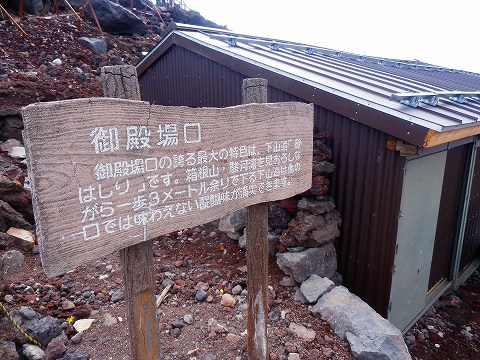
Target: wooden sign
{"points": [[110, 173]]}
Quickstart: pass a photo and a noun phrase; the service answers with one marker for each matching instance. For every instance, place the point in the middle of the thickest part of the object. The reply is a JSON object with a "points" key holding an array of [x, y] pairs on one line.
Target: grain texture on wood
{"points": [[110, 173], [120, 82], [257, 281], [139, 281], [137, 259], [255, 91]]}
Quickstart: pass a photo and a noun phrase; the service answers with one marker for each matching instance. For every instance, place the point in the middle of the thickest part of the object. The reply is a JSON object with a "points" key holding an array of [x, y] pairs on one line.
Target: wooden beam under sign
{"points": [[435, 138]]}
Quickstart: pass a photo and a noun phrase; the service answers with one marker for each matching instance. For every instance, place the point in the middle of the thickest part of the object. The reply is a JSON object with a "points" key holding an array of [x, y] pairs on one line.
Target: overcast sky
{"points": [[441, 32]]}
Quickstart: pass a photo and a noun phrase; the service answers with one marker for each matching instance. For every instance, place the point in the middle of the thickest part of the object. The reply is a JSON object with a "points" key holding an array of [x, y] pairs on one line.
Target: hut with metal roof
{"points": [[404, 141]]}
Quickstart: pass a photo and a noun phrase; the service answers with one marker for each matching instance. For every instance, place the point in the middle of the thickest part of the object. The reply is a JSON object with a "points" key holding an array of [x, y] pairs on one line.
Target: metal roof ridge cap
{"points": [[190, 27], [390, 111], [383, 108], [409, 63]]}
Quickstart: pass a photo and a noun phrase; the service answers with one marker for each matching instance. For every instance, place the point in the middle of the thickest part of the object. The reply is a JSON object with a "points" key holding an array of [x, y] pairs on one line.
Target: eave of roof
{"points": [[353, 90]]}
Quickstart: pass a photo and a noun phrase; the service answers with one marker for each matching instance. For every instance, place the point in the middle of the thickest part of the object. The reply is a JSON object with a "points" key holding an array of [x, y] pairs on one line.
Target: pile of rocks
{"points": [[302, 229], [307, 244], [302, 234], [16, 214], [48, 331]]}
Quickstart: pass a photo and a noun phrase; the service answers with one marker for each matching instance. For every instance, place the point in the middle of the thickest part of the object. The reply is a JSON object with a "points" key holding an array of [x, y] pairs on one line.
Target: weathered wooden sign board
{"points": [[109, 173]]}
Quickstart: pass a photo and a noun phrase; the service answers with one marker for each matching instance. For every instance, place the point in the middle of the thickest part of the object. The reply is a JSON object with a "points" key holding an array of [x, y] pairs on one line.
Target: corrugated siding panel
{"points": [[450, 203], [367, 187], [185, 78], [471, 245]]}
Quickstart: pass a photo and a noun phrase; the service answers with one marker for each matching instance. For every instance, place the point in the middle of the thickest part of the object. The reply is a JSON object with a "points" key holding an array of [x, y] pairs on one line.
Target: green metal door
{"points": [[422, 189]]}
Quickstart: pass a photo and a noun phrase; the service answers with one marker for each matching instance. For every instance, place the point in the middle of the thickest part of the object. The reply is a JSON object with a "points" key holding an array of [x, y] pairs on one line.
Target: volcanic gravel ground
{"points": [[30, 71], [199, 258]]}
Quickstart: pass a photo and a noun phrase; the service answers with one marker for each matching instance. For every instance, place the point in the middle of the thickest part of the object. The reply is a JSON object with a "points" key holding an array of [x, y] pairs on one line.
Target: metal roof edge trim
{"points": [[408, 63], [177, 37]]}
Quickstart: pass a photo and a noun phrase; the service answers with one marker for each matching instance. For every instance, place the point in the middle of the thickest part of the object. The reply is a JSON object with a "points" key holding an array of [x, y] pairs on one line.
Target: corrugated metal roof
{"points": [[356, 86]]}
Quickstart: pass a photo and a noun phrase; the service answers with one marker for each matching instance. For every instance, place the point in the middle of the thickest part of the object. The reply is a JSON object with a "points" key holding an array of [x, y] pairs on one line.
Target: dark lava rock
{"points": [[115, 19], [45, 329]]}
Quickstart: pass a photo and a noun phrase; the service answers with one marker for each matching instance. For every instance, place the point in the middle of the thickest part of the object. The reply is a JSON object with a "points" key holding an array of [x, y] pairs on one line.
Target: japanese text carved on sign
{"points": [[110, 173]]}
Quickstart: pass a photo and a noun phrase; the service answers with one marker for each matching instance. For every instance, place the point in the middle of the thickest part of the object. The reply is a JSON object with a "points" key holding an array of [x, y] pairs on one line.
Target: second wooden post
{"points": [[255, 91]]}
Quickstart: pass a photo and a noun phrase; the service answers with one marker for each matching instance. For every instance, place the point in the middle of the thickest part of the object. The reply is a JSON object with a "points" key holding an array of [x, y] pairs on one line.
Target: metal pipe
{"points": [[22, 14], [71, 8], [12, 20], [95, 16]]}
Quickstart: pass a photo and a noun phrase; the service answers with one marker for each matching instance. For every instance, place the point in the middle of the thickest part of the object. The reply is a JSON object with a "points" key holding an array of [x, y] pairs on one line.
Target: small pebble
{"points": [[177, 324], [228, 300], [237, 290], [188, 319], [201, 295]]}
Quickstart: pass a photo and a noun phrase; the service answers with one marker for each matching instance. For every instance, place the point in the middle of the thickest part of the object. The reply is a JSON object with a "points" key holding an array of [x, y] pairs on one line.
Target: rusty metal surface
{"points": [[451, 202], [355, 86], [471, 244]]}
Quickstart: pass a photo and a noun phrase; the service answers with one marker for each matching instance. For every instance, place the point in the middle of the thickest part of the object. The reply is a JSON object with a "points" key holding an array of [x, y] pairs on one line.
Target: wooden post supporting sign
{"points": [[137, 260], [255, 91]]}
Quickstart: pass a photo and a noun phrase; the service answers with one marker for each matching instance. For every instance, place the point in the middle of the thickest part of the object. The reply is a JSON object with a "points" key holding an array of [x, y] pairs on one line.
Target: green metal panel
{"points": [[422, 189]]}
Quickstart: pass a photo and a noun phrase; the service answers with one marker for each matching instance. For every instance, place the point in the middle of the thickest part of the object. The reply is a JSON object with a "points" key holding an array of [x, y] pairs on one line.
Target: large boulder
{"points": [[95, 45], [315, 286], [33, 352], [370, 335], [33, 7], [309, 230], [278, 218], [9, 217], [114, 18], [316, 206], [271, 238], [45, 329], [300, 265]]}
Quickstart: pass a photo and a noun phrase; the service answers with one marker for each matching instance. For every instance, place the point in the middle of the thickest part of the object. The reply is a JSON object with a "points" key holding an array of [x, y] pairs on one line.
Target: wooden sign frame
{"points": [[118, 167]]}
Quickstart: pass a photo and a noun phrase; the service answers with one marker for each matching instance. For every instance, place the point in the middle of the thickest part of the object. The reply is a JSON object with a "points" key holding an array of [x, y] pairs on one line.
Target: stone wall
{"points": [[303, 228]]}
